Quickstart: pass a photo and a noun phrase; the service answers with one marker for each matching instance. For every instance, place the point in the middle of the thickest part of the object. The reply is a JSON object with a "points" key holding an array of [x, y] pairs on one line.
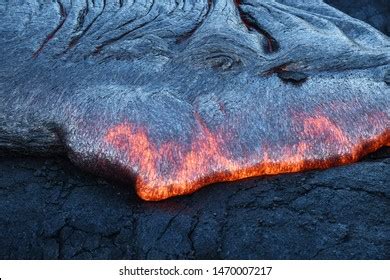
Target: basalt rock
{"points": [[375, 13], [51, 210], [292, 77], [175, 95], [387, 77]]}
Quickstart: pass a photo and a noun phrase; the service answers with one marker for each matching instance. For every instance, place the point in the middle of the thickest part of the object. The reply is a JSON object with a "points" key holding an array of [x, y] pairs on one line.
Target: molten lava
{"points": [[173, 168]]}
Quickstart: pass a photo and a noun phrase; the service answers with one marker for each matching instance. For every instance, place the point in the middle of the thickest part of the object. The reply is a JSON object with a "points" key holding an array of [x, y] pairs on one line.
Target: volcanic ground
{"points": [[51, 209]]}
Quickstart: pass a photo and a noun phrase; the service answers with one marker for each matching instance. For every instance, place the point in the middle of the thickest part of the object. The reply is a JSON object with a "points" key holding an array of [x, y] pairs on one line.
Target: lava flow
{"points": [[173, 168]]}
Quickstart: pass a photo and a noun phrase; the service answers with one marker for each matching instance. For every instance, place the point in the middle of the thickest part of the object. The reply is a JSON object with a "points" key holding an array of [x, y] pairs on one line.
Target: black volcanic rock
{"points": [[51, 210], [387, 77], [375, 13], [292, 77]]}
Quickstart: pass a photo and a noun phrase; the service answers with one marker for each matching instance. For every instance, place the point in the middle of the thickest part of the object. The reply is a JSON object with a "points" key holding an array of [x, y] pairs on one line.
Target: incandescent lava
{"points": [[172, 168]]}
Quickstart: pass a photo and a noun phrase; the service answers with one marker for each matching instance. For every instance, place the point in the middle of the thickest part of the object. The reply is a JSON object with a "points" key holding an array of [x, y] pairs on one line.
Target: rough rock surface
{"points": [[49, 209], [374, 12], [180, 94]]}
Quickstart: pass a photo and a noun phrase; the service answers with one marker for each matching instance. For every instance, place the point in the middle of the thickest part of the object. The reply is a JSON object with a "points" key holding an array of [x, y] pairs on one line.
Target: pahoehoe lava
{"points": [[176, 95]]}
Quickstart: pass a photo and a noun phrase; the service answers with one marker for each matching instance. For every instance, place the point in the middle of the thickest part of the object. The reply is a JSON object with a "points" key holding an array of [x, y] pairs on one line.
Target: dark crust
{"points": [[51, 210]]}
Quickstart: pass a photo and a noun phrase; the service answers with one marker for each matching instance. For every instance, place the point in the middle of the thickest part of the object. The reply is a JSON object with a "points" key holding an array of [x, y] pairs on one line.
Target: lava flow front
{"points": [[173, 168]]}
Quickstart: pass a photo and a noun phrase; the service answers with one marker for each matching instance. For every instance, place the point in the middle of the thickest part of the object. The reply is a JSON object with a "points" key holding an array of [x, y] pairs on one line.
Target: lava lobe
{"points": [[177, 95]]}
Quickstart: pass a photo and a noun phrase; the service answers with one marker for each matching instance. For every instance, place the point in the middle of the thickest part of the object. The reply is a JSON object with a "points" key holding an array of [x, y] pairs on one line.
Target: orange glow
{"points": [[173, 168]]}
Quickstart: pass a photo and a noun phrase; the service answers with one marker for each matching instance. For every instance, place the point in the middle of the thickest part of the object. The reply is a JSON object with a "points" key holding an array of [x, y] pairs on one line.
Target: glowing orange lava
{"points": [[173, 168]]}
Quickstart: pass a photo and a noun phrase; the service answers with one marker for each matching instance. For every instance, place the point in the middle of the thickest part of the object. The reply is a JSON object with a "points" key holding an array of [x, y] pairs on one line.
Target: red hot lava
{"points": [[172, 168]]}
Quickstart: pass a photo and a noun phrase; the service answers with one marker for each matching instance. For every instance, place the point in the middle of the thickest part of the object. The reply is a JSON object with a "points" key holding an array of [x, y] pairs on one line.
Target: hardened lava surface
{"points": [[52, 210], [176, 95]]}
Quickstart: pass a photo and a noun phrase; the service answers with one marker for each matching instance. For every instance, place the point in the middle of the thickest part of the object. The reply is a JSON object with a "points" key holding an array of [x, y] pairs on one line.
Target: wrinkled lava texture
{"points": [[170, 96], [176, 95]]}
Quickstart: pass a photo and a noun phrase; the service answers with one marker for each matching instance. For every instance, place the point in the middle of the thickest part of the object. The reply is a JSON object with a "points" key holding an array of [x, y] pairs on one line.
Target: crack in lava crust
{"points": [[172, 169]]}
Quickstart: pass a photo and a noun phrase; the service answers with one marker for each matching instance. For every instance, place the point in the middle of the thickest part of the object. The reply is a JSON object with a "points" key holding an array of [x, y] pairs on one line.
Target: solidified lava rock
{"points": [[292, 77], [387, 77], [176, 95], [51, 210], [375, 13]]}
